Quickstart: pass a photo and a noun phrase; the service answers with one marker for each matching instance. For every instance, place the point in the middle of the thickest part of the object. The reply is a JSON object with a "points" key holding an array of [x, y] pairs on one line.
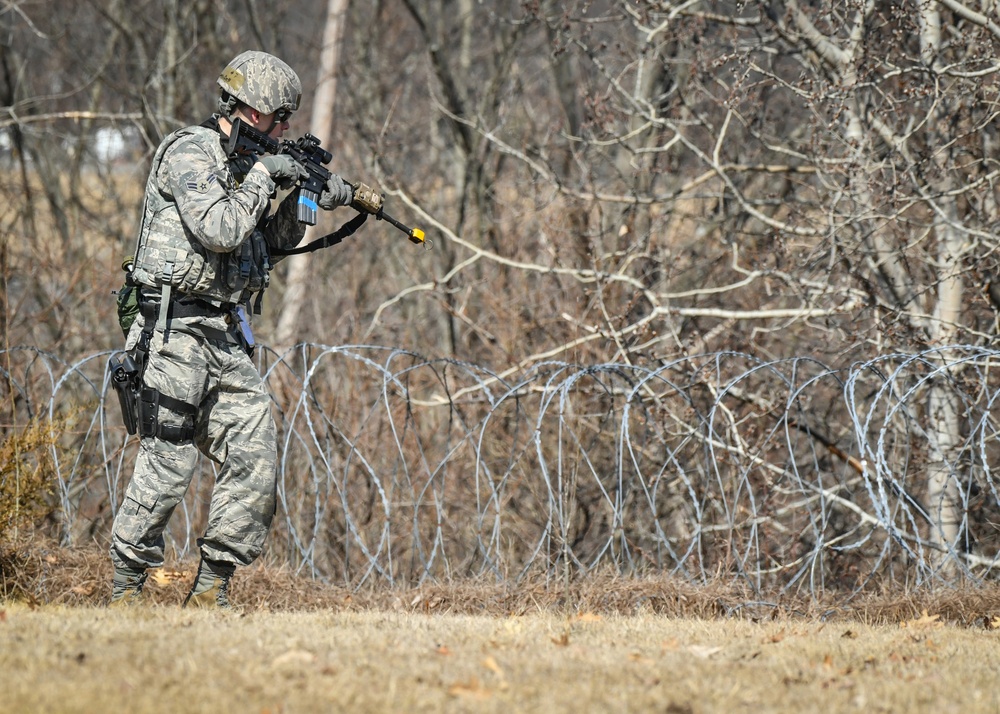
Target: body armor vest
{"points": [[168, 254]]}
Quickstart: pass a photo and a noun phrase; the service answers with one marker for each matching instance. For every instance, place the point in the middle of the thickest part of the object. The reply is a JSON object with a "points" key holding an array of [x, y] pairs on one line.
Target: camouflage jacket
{"points": [[206, 229]]}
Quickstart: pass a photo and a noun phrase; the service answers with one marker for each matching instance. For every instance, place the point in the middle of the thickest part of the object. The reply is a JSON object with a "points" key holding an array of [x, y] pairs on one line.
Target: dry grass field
{"points": [[161, 658], [599, 644]]}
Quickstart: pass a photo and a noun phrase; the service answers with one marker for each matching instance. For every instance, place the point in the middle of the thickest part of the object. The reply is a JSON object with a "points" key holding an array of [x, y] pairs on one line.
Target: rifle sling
{"points": [[330, 239]]}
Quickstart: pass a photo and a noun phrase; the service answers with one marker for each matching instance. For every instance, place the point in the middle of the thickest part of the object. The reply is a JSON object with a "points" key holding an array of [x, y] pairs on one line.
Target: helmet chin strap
{"points": [[274, 123], [227, 107], [269, 129]]}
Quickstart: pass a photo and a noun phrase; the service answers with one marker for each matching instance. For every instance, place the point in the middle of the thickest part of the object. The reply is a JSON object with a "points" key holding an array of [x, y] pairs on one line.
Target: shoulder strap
{"points": [[330, 239]]}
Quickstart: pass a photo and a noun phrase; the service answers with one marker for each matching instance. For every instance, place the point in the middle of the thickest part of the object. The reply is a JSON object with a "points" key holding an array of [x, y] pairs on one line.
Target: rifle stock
{"points": [[244, 139]]}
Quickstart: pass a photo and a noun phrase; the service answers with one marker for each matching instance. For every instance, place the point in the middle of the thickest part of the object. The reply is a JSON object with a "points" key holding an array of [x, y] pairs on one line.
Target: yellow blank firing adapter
{"points": [[414, 234]]}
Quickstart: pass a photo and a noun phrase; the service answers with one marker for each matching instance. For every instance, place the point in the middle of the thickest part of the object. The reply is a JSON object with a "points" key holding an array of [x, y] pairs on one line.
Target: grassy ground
{"points": [[602, 643], [161, 658]]}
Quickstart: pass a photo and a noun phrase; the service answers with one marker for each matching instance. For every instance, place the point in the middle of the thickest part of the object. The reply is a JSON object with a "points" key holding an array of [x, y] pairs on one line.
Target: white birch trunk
{"points": [[321, 124], [944, 426]]}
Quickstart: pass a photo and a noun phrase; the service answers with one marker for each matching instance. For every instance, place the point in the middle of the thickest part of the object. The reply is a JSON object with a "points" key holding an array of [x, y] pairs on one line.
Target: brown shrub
{"points": [[27, 475]]}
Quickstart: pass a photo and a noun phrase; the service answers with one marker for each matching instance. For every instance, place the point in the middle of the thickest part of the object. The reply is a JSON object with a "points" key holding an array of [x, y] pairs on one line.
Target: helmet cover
{"points": [[262, 81]]}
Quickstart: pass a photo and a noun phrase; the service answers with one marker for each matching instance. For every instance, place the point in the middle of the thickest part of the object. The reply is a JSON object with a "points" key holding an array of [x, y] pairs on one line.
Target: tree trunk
{"points": [[944, 427], [944, 424], [321, 124]]}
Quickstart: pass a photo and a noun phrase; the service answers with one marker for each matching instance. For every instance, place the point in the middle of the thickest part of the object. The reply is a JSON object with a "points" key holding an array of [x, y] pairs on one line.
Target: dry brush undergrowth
{"points": [[36, 570]]}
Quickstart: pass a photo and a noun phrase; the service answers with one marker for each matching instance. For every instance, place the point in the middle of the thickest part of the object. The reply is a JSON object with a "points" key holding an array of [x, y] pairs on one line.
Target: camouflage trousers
{"points": [[232, 426]]}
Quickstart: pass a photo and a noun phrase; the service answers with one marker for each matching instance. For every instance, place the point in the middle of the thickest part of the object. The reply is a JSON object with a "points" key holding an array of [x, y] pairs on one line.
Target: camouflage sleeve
{"points": [[219, 217], [283, 230]]}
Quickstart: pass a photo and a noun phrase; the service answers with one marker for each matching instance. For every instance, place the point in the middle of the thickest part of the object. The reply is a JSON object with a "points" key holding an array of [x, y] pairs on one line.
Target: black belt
{"points": [[185, 306], [190, 306]]}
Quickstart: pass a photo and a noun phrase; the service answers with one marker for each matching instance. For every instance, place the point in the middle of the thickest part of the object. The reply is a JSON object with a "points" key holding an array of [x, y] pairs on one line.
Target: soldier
{"points": [[203, 254]]}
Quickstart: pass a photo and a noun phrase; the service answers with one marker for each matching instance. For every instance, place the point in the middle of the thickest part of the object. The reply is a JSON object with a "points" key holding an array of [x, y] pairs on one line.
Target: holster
{"points": [[140, 404], [150, 401], [126, 378]]}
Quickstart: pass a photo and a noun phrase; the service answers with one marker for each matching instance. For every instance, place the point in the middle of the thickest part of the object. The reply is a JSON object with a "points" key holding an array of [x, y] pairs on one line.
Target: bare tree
{"points": [[321, 124], [604, 181]]}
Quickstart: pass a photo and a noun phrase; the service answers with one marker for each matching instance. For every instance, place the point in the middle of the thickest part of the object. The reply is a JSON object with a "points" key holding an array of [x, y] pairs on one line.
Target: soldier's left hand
{"points": [[283, 169], [337, 192]]}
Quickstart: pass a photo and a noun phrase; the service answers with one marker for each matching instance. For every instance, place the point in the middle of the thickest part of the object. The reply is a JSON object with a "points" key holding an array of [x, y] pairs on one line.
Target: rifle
{"points": [[307, 151], [244, 139]]}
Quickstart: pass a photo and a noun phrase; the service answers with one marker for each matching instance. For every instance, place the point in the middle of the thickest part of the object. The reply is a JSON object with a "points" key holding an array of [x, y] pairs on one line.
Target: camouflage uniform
{"points": [[206, 238]]}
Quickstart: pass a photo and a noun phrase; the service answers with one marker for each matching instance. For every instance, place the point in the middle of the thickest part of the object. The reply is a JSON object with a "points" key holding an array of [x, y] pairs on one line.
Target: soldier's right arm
{"points": [[219, 217]]}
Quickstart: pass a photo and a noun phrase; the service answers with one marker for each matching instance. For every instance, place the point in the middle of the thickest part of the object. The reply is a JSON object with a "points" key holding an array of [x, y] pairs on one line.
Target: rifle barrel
{"points": [[414, 234]]}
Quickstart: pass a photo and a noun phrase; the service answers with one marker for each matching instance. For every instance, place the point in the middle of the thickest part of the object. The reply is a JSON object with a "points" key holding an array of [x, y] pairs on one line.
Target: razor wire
{"points": [[786, 475]]}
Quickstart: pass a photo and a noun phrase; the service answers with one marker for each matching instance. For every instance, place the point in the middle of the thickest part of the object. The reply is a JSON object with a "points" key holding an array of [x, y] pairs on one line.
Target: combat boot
{"points": [[126, 587], [211, 586]]}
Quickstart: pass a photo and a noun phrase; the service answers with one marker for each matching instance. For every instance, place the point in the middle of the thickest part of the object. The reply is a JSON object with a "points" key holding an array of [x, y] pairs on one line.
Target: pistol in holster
{"points": [[126, 378]]}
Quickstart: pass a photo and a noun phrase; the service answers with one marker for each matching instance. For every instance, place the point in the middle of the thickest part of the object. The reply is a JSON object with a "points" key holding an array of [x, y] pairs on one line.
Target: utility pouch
{"points": [[125, 378], [127, 299]]}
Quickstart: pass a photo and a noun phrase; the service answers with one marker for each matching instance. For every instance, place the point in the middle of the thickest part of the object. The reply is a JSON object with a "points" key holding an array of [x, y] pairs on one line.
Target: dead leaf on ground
{"points": [[704, 651], [3, 616], [993, 624], [294, 658], [776, 637], [850, 634], [640, 658], [587, 617], [85, 589], [491, 664], [925, 621], [562, 640], [473, 689], [513, 625], [163, 577], [442, 650]]}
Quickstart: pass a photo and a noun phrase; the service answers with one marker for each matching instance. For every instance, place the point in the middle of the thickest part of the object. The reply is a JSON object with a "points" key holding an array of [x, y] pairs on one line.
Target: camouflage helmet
{"points": [[261, 81]]}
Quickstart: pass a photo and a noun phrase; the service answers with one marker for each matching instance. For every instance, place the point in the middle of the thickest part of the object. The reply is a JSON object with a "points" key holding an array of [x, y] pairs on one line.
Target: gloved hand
{"points": [[284, 169], [336, 193], [240, 164]]}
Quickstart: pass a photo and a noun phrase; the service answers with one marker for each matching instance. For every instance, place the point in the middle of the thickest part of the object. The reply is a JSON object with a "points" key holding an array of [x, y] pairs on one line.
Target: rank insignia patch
{"points": [[202, 184]]}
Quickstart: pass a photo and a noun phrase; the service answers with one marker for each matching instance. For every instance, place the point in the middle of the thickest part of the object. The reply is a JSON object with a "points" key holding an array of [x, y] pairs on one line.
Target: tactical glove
{"points": [[336, 193], [284, 170]]}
